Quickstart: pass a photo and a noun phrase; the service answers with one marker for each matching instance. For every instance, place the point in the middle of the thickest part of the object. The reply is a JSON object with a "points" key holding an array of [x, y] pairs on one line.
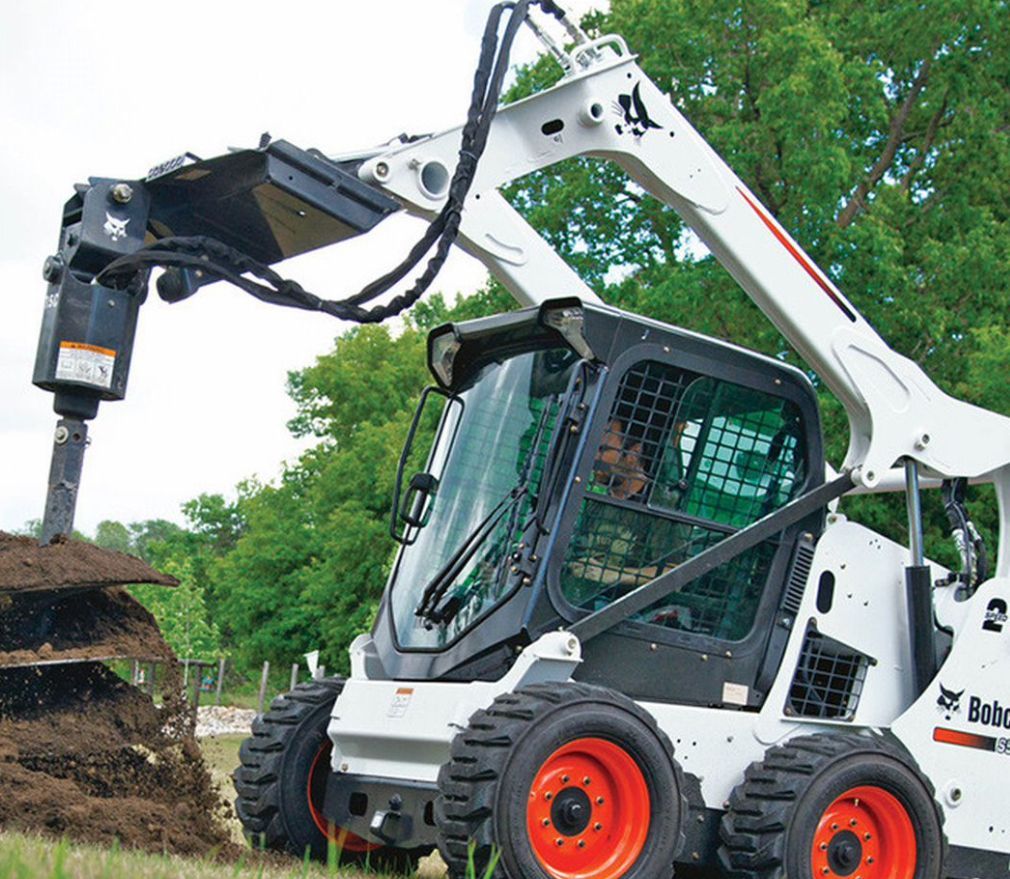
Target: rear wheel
{"points": [[833, 807], [281, 783], [561, 781]]}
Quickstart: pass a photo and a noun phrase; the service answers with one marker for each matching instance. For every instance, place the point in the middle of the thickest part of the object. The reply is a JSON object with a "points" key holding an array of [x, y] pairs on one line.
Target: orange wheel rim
{"points": [[316, 793], [589, 811], [866, 833]]}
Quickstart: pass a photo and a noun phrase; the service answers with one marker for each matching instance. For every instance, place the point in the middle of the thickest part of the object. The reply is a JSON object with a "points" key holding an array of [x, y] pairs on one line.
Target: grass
{"points": [[31, 857], [34, 857]]}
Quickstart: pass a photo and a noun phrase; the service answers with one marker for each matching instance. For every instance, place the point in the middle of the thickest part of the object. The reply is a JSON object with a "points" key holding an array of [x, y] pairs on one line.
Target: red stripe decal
{"points": [[797, 255], [964, 739]]}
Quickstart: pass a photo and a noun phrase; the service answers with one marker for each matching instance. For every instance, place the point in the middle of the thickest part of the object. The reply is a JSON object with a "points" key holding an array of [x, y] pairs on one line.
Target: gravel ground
{"points": [[222, 720]]}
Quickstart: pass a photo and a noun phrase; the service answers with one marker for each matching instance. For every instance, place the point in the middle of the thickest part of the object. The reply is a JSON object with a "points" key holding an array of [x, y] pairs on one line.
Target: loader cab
{"points": [[581, 452]]}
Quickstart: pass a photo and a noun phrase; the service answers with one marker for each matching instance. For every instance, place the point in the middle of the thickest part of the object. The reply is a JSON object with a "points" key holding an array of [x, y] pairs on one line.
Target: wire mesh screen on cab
{"points": [[685, 460]]}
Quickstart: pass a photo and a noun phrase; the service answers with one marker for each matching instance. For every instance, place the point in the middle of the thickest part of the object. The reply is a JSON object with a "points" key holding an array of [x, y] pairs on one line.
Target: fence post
{"points": [[197, 682], [263, 684], [135, 672], [220, 680], [320, 672], [185, 673], [294, 675], [150, 683]]}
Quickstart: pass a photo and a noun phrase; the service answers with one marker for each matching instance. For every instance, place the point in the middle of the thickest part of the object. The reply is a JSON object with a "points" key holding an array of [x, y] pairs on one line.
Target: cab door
{"points": [[682, 454]]}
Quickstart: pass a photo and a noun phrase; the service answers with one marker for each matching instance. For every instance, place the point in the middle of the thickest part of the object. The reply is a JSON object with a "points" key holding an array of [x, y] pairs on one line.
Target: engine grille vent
{"points": [[829, 679], [799, 573]]}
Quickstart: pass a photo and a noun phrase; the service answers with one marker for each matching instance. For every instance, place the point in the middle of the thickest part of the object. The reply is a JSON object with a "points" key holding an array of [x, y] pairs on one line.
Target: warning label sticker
{"points": [[90, 364], [401, 702]]}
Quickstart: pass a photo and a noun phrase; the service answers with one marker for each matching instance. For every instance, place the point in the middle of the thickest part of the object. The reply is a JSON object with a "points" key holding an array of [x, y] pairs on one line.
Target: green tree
{"points": [[182, 615], [878, 134], [113, 535], [149, 536], [182, 612]]}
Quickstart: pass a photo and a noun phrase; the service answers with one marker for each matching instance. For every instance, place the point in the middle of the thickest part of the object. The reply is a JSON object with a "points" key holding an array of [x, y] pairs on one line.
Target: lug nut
{"points": [[587, 781], [597, 827], [546, 822], [559, 842], [548, 796], [599, 801], [564, 779], [582, 843]]}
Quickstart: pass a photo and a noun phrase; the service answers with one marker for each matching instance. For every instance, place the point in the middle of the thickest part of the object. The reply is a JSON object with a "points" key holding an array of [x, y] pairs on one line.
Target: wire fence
{"points": [[207, 682]]}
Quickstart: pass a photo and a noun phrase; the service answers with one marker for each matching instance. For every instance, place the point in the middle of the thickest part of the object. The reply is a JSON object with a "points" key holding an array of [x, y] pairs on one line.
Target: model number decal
{"points": [[995, 616], [173, 164]]}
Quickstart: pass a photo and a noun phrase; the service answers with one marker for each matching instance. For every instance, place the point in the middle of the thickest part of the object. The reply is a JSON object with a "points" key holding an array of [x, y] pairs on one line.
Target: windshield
{"points": [[488, 458]]}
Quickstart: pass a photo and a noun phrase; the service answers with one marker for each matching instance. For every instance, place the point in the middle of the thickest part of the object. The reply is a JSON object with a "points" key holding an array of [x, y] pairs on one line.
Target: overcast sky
{"points": [[111, 88]]}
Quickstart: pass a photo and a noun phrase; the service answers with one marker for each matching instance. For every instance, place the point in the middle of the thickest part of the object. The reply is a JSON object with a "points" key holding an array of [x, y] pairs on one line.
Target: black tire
{"points": [[806, 793], [273, 781], [509, 751]]}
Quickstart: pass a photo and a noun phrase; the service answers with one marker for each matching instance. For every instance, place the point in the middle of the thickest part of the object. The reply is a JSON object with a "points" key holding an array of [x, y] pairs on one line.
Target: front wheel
{"points": [[561, 781], [281, 783]]}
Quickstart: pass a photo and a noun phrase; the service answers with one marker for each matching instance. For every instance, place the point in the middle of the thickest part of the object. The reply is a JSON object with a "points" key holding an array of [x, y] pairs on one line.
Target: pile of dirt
{"points": [[59, 603], [82, 753], [85, 755], [93, 624], [24, 565]]}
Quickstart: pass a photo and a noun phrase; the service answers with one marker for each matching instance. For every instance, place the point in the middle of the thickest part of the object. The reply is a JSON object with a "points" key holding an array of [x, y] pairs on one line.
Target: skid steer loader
{"points": [[626, 628]]}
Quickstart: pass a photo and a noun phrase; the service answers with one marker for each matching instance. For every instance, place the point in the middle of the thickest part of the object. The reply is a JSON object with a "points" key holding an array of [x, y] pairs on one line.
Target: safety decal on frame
{"points": [[88, 364]]}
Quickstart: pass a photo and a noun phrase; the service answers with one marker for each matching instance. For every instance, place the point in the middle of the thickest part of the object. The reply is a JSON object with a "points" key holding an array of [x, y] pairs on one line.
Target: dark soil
{"points": [[85, 755], [82, 753], [24, 565], [93, 624]]}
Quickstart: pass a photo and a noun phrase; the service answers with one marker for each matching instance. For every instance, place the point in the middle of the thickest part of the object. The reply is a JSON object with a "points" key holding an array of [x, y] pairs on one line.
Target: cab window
{"points": [[685, 460]]}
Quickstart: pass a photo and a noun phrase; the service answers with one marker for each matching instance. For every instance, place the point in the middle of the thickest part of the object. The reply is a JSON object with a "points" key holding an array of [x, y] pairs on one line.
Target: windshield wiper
{"points": [[435, 591], [440, 584]]}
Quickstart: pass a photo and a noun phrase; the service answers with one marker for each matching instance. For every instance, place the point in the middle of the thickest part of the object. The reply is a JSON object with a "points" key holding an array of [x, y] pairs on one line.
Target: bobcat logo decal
{"points": [[634, 115], [114, 228], [949, 702]]}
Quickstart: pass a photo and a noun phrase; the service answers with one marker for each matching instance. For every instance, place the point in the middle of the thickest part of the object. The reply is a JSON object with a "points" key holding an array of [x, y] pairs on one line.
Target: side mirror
{"points": [[413, 506]]}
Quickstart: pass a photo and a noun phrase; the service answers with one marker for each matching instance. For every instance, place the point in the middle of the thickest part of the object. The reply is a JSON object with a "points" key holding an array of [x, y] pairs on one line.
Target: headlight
{"points": [[441, 355], [569, 320]]}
